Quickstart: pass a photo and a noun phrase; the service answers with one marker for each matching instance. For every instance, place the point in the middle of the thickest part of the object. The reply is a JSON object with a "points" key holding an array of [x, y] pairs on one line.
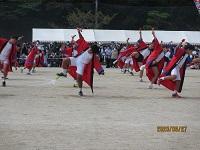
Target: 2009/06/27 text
{"points": [[171, 128]]}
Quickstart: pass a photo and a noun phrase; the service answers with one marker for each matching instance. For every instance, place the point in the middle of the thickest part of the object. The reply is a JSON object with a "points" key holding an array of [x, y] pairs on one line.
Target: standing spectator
{"points": [[114, 56], [102, 54], [108, 53]]}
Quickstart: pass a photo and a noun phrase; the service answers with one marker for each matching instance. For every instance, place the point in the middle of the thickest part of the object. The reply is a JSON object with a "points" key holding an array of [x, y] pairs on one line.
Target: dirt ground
{"points": [[38, 112]]}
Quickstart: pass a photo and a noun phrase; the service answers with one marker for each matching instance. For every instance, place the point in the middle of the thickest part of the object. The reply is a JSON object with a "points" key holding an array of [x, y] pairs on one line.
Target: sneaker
{"points": [[33, 71], [132, 73], [21, 70], [28, 73], [175, 95], [5, 78], [125, 71], [75, 85], [141, 80], [4, 83], [80, 93], [61, 74]]}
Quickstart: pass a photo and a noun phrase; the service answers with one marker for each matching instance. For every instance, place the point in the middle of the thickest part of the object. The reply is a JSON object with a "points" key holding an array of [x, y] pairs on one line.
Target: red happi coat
{"points": [[142, 46], [156, 52], [12, 58], [89, 68], [40, 60], [30, 58], [68, 51], [82, 45], [171, 85]]}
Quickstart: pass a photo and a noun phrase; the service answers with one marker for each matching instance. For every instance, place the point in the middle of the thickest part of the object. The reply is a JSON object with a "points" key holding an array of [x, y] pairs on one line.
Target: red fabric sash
{"points": [[142, 45]]}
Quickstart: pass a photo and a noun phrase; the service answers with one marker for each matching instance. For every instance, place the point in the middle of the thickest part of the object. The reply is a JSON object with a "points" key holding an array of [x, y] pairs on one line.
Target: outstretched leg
{"points": [[80, 83], [5, 73], [156, 73], [65, 65]]}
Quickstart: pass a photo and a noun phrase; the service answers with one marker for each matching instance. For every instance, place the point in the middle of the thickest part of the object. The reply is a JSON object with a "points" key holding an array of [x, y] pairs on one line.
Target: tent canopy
{"points": [[91, 35]]}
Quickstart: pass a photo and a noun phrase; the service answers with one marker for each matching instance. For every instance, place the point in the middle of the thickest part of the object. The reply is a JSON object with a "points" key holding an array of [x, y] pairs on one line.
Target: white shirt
{"points": [[85, 57], [74, 53], [167, 54], [6, 50], [182, 61], [160, 57], [145, 53]]}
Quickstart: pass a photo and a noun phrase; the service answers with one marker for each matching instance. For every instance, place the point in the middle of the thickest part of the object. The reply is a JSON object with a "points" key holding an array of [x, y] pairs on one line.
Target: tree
{"points": [[87, 19], [156, 19]]}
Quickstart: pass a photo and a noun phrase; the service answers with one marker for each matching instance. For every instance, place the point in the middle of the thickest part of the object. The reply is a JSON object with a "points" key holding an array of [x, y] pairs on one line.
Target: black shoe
{"points": [[125, 71], [132, 73], [80, 93], [4, 83], [3, 78], [61, 74], [75, 85]]}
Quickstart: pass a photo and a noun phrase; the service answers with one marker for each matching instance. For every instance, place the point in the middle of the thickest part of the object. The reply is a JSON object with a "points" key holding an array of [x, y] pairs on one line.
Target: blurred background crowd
{"points": [[107, 52]]}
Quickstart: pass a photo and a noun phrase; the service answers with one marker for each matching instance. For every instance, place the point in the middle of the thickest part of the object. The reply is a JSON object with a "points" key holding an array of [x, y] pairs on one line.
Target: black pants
{"points": [[111, 63], [108, 60]]}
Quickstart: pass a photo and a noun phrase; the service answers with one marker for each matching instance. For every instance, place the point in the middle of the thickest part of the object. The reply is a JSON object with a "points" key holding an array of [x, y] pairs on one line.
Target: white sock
{"points": [[142, 67], [150, 86], [175, 92], [64, 71]]}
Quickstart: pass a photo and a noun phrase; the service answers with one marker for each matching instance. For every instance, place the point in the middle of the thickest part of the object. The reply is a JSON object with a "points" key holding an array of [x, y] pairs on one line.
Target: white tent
{"points": [[109, 35], [63, 35], [48, 35]]}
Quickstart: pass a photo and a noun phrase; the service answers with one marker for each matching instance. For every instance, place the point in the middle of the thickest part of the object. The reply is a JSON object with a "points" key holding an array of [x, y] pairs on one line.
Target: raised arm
{"points": [[180, 44], [127, 42], [19, 38], [79, 33], [153, 33], [72, 40], [140, 32]]}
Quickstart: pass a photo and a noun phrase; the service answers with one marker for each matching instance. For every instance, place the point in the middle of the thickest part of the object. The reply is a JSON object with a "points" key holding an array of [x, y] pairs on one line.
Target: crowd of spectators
{"points": [[108, 52]]}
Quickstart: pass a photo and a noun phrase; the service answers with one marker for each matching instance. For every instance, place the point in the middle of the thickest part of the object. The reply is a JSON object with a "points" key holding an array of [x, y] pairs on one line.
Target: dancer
{"points": [[140, 56], [155, 61], [8, 50], [124, 60], [31, 59], [173, 74], [81, 66]]}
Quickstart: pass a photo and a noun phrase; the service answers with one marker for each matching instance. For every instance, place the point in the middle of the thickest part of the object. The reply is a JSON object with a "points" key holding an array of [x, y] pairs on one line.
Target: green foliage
{"points": [[156, 19], [86, 19], [20, 16]]}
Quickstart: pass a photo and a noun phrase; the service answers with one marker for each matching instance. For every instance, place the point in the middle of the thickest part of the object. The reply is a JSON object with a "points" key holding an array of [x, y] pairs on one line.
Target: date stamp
{"points": [[171, 128]]}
